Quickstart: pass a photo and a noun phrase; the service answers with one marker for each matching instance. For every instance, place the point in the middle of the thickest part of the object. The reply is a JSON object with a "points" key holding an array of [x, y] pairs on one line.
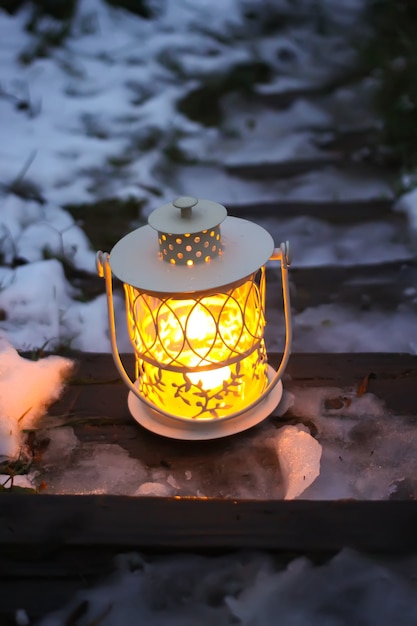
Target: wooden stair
{"points": [[52, 546]]}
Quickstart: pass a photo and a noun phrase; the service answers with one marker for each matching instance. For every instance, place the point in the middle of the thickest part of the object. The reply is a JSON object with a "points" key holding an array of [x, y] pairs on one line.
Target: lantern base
{"points": [[195, 430]]}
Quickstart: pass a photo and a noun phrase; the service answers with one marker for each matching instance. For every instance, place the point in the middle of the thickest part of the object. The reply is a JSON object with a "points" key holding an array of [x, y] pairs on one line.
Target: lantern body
{"points": [[202, 357], [195, 301]]}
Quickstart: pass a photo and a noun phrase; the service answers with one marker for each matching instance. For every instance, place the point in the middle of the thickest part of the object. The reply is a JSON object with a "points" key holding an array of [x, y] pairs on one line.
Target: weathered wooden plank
{"points": [[98, 413], [281, 99], [188, 523], [68, 563], [97, 391], [95, 406], [98, 368], [349, 142], [379, 286], [335, 211], [351, 366], [41, 580], [51, 546], [264, 170], [37, 595]]}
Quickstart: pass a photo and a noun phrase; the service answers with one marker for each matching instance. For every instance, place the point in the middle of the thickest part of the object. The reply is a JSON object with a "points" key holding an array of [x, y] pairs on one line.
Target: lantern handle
{"points": [[104, 271], [282, 254]]}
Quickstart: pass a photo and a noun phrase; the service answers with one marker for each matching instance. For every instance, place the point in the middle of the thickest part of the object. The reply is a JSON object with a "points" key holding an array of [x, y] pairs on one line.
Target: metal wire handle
{"points": [[281, 254]]}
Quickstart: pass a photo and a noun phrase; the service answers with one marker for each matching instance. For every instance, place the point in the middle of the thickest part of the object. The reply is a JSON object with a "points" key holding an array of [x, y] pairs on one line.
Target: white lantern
{"points": [[194, 281]]}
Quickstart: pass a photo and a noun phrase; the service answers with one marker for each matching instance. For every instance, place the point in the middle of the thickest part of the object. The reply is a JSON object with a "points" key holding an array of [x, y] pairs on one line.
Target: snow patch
{"points": [[27, 388]]}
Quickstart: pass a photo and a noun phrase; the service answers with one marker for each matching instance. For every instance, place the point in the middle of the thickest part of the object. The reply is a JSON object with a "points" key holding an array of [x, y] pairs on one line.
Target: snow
{"points": [[250, 589], [316, 243], [93, 119], [334, 328], [367, 452], [39, 310], [207, 181], [67, 114], [407, 204], [299, 459], [90, 469], [348, 589], [329, 443], [87, 105], [31, 231], [27, 388], [269, 468]]}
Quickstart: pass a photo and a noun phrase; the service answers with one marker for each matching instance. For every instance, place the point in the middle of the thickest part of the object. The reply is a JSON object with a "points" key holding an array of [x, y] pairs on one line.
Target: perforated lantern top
{"points": [[190, 245], [189, 230]]}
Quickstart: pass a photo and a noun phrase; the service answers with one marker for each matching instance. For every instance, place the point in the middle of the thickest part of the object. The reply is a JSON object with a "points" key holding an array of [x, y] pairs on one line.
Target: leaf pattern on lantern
{"points": [[153, 384], [211, 401], [200, 402]]}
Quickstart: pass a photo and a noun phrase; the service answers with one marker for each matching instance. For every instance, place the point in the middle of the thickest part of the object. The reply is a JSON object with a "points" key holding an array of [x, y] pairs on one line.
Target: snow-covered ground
{"points": [[97, 117], [250, 589], [107, 98]]}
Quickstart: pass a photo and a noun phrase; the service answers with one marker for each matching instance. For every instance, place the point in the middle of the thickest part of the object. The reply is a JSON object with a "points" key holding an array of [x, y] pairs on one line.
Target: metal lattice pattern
{"points": [[200, 332], [201, 357]]}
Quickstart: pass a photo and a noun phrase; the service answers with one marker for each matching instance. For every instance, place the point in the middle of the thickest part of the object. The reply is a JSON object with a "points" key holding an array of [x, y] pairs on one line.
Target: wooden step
{"points": [[284, 98], [97, 372], [380, 286], [348, 143], [334, 211], [265, 170], [52, 546], [84, 526]]}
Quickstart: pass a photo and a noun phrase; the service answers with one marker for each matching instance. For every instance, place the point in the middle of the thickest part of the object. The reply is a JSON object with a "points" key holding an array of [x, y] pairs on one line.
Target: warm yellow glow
{"points": [[221, 333], [212, 379]]}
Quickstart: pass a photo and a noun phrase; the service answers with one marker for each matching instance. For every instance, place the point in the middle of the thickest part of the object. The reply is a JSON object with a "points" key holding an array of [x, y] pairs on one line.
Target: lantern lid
{"points": [[137, 261], [187, 215]]}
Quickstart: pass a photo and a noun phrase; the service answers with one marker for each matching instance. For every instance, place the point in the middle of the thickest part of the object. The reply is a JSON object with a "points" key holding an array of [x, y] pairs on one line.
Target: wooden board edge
{"points": [[192, 523]]}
